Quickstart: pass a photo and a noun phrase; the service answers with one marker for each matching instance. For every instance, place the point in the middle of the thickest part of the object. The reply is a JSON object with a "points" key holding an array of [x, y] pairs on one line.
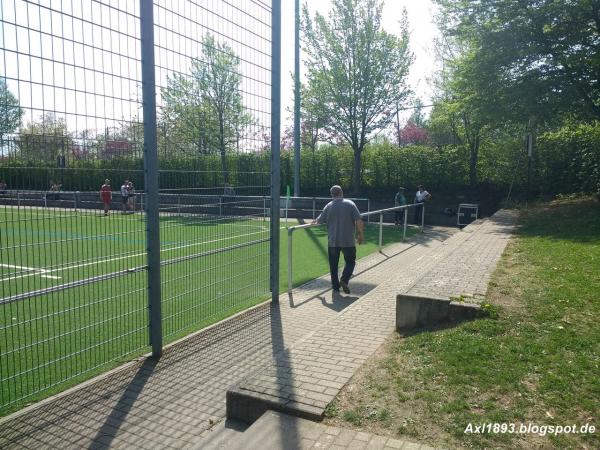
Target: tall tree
{"points": [[46, 140], [532, 58], [206, 107], [10, 111], [356, 70]]}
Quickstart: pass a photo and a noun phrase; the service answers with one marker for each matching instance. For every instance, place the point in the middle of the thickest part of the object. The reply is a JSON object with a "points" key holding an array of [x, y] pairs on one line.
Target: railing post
{"points": [[75, 195], [314, 208], [18, 199], [380, 231], [405, 221], [369, 210], [290, 286], [422, 216], [179, 204], [264, 209], [151, 174], [220, 207]]}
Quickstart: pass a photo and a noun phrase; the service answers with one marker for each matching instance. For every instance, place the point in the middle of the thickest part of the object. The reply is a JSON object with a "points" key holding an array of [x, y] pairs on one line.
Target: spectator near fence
{"points": [[420, 197], [54, 190], [125, 195], [106, 195], [130, 196], [399, 200]]}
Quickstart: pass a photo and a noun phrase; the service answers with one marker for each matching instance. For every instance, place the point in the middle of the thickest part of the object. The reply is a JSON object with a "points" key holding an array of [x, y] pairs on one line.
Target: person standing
{"points": [[343, 223], [106, 195], [125, 195], [131, 196], [420, 197], [399, 200]]}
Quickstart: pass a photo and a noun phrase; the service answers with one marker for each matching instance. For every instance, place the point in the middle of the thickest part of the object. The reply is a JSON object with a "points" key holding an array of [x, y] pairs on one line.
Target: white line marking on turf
{"points": [[42, 272], [35, 270]]}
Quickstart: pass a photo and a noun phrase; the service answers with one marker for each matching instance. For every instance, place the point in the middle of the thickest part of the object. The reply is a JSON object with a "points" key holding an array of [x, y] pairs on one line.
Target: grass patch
{"points": [[534, 360]]}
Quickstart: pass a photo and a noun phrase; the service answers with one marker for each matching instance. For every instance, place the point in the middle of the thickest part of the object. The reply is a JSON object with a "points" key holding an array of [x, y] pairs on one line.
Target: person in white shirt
{"points": [[420, 198], [125, 195]]}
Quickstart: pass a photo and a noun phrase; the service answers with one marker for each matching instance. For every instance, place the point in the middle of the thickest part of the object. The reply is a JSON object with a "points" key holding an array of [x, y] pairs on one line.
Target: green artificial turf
{"points": [[211, 269]]}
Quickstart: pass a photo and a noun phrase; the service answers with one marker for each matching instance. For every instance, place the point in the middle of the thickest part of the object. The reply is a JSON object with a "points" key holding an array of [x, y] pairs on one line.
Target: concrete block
{"points": [[413, 311]]}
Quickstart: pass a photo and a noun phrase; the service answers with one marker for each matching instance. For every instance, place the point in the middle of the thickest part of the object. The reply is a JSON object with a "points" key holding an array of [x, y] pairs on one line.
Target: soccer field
{"points": [[74, 294]]}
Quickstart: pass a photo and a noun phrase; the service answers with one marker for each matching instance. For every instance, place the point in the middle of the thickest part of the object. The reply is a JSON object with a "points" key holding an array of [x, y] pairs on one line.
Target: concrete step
{"points": [[278, 431]]}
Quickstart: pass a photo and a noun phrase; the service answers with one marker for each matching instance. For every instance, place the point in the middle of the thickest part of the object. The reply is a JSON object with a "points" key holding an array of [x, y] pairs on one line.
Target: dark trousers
{"points": [[400, 217], [334, 259], [418, 213]]}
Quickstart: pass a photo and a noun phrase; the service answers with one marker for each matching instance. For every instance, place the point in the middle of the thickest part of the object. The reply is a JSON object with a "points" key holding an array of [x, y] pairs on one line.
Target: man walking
{"points": [[343, 222]]}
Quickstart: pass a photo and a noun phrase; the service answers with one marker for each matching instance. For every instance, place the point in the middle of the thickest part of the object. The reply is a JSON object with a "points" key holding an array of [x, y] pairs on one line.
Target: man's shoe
{"points": [[345, 287]]}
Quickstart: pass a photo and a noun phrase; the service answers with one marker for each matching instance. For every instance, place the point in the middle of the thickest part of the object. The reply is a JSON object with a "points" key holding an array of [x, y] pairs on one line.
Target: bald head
{"points": [[336, 191]]}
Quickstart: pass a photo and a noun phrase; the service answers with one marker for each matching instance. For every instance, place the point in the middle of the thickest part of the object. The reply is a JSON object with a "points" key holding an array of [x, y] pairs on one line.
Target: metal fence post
{"points": [[75, 195], [314, 208], [369, 210], [275, 144], [18, 199], [220, 207], [422, 216], [380, 231], [151, 174], [179, 204], [405, 222], [264, 208]]}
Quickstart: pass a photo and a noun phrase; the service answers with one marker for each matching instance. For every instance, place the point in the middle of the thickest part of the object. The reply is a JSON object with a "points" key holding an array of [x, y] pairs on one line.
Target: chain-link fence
{"points": [[76, 201]]}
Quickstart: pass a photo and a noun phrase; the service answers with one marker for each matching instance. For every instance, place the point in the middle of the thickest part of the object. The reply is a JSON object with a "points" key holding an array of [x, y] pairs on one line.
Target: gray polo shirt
{"points": [[340, 216]]}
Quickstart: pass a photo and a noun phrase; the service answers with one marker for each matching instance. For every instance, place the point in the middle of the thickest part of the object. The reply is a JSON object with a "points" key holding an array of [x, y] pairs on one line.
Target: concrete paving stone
{"points": [[411, 446], [306, 444], [362, 436], [334, 431], [376, 443], [357, 445], [318, 400], [324, 440], [394, 443], [345, 437]]}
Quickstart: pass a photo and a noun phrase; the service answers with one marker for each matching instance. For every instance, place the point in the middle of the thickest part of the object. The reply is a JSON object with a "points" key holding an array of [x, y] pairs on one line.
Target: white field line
{"points": [[35, 270], [103, 261]]}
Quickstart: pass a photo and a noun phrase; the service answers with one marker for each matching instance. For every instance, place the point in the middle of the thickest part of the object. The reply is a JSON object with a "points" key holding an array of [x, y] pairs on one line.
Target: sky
{"points": [[422, 33]]}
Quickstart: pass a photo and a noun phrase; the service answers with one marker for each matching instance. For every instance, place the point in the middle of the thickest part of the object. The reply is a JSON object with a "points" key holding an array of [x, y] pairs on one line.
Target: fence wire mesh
{"points": [[73, 257]]}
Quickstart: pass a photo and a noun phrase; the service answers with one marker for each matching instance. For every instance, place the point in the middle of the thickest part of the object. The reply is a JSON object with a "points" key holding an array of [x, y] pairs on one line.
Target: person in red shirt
{"points": [[106, 195]]}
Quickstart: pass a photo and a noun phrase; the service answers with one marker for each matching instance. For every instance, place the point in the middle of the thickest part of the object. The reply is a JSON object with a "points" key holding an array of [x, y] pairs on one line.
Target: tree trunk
{"points": [[222, 151], [474, 147], [356, 172], [224, 166]]}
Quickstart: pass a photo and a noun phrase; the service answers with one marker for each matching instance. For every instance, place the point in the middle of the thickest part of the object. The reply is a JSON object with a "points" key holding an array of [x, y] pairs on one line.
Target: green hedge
{"points": [[565, 161], [569, 159]]}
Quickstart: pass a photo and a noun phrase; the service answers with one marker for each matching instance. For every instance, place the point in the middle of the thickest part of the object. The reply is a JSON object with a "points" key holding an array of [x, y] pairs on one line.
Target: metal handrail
{"points": [[381, 212]]}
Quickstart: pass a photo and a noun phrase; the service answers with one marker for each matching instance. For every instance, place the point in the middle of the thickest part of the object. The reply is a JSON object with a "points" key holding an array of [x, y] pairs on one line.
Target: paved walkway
{"points": [[177, 401]]}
